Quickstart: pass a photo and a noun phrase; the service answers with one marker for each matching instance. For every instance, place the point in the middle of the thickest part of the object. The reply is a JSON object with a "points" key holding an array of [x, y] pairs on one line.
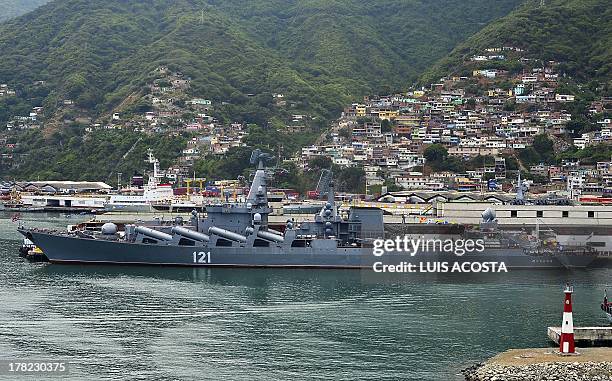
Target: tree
{"points": [[363, 120], [512, 164], [509, 106], [435, 153], [392, 186], [544, 147], [345, 132], [320, 162], [140, 107], [438, 159], [480, 161], [385, 126], [543, 144], [488, 176], [351, 179], [579, 126], [529, 156]]}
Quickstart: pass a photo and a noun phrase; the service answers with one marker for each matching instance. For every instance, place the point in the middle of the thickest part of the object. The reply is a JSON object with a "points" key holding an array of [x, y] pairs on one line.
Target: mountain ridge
{"points": [[575, 32], [321, 54]]}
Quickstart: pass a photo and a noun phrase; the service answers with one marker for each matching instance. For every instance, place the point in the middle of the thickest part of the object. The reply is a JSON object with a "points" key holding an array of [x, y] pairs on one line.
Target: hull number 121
{"points": [[201, 257]]}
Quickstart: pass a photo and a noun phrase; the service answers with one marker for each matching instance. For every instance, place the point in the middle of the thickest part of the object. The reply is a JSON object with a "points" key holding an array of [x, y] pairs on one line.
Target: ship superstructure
{"points": [[153, 192]]}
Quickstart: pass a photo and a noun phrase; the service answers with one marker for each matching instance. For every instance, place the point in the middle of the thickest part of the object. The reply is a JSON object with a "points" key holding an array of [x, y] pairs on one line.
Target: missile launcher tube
{"points": [[191, 234], [156, 234], [227, 234]]}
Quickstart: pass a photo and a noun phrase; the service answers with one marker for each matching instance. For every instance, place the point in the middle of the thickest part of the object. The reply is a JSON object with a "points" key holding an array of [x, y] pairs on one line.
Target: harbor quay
{"points": [[536, 364], [585, 336]]}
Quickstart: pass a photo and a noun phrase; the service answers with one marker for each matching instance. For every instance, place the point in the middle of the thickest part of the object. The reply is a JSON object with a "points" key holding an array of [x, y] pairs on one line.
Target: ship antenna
{"points": [[519, 188], [325, 182]]}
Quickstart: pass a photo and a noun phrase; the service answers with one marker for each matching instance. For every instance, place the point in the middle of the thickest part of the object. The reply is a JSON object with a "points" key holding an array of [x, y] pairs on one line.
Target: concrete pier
{"points": [[519, 357], [585, 336], [537, 364]]}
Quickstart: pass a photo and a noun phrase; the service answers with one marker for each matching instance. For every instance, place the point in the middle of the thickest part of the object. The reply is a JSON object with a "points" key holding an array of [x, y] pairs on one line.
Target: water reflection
{"points": [[145, 322]]}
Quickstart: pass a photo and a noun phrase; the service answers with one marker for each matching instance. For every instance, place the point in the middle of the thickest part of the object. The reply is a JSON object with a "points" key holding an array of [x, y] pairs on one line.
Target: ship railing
{"points": [[551, 252]]}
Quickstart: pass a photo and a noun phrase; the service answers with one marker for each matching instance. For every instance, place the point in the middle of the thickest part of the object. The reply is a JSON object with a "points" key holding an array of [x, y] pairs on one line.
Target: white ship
{"points": [[152, 193]]}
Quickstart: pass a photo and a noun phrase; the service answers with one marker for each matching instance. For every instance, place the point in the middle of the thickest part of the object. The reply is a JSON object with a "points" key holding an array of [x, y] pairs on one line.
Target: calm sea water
{"points": [[137, 323]]}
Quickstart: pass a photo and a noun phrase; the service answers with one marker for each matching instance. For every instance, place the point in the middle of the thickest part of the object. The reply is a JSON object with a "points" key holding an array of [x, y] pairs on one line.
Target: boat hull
{"points": [[71, 249]]}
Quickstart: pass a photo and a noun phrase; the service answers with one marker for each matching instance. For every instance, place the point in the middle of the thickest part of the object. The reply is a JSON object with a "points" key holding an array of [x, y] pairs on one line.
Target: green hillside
{"points": [[13, 8], [319, 53], [102, 54], [575, 32], [66, 154], [380, 44]]}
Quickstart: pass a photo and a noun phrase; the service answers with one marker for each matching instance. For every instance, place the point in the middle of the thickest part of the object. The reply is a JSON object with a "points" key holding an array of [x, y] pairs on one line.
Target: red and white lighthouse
{"points": [[566, 343]]}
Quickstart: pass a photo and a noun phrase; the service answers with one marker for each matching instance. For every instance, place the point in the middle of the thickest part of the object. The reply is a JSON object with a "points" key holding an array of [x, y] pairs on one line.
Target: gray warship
{"points": [[238, 235]]}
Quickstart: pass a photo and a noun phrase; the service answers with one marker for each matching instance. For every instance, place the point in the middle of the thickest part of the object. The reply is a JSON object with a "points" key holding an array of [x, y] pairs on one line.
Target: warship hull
{"points": [[73, 249], [238, 235]]}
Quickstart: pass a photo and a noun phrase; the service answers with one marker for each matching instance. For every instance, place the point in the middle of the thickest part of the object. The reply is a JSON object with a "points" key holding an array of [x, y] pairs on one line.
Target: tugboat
{"points": [[607, 306], [31, 252], [36, 255], [26, 246]]}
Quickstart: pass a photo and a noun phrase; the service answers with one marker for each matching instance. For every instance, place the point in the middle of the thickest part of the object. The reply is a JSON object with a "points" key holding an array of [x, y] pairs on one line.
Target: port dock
{"points": [[520, 357], [586, 336], [544, 364]]}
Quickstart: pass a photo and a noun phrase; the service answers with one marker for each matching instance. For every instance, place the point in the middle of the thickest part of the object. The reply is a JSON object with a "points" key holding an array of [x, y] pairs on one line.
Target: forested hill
{"points": [[318, 53], [577, 33], [14, 8]]}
